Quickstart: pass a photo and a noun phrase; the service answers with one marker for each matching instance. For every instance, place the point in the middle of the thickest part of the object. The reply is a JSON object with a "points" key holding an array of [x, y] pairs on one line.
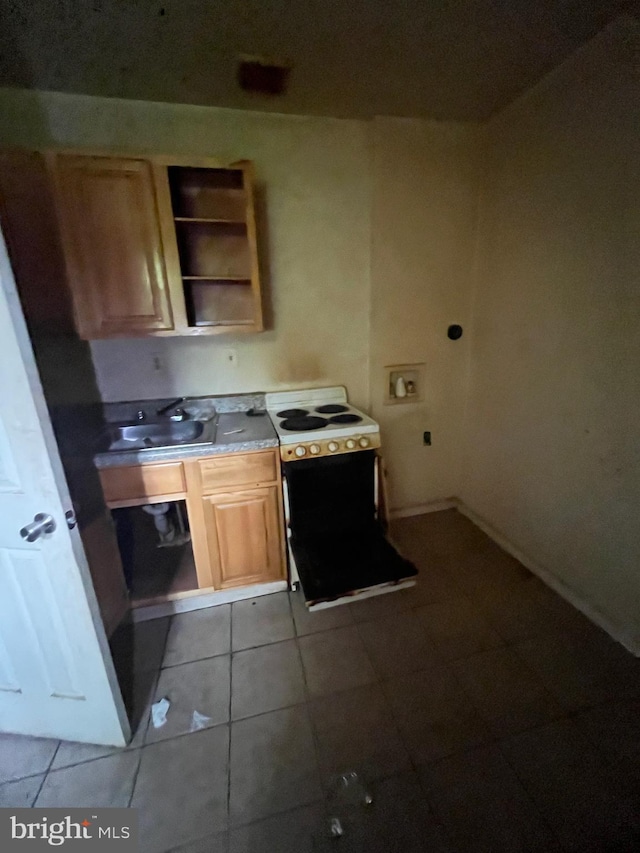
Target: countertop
{"points": [[237, 432]]}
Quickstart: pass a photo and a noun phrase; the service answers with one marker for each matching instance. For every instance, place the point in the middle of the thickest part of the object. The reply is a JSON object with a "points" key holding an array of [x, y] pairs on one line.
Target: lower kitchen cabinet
{"points": [[243, 537], [235, 517]]}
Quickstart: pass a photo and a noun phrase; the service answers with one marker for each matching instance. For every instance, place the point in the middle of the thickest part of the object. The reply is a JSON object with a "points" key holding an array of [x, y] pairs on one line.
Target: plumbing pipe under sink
{"points": [[167, 531]]}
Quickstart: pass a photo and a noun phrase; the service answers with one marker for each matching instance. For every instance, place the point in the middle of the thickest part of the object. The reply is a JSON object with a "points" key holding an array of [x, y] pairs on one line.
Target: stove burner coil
{"points": [[292, 413], [331, 409], [349, 418], [303, 423]]}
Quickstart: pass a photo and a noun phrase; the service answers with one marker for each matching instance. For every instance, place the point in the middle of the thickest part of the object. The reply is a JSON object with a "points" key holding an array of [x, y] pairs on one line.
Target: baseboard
{"points": [[421, 509], [629, 639], [207, 599]]}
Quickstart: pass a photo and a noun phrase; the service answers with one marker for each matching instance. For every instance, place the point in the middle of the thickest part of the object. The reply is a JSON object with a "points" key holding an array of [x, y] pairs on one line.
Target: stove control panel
{"points": [[330, 447]]}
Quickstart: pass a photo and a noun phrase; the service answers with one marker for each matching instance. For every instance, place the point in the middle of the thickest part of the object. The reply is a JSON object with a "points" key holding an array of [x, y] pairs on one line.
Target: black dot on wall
{"points": [[454, 332]]}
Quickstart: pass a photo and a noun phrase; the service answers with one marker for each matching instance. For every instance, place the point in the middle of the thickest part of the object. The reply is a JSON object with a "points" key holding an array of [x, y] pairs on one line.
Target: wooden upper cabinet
{"points": [[28, 220], [111, 236], [158, 246]]}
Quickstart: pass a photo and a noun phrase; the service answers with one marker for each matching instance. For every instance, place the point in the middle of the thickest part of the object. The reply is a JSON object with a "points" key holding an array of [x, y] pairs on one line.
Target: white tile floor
{"points": [[484, 713]]}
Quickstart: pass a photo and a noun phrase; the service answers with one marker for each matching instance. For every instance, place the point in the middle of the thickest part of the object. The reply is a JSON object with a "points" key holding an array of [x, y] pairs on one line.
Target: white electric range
{"points": [[319, 422], [337, 548]]}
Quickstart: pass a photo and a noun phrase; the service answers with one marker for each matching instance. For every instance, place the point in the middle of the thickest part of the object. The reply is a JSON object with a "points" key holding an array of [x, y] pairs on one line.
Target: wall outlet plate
{"points": [[230, 357], [157, 363], [412, 380]]}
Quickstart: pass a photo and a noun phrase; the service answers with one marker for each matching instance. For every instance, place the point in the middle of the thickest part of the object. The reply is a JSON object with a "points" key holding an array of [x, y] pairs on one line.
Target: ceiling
{"points": [[444, 59]]}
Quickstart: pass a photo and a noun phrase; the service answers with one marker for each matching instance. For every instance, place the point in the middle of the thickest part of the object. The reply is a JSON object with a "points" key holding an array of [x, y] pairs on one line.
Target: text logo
{"points": [[41, 829]]}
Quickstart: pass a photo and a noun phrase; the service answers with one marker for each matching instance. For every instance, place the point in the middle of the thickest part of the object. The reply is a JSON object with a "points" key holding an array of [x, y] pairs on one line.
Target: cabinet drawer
{"points": [[241, 470], [141, 482]]}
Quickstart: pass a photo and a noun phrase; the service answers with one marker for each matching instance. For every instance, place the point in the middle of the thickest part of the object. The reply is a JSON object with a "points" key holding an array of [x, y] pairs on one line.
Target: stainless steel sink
{"points": [[163, 433]]}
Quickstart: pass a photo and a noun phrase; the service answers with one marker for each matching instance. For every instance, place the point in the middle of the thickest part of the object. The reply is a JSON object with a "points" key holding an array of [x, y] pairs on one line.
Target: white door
{"points": [[56, 673]]}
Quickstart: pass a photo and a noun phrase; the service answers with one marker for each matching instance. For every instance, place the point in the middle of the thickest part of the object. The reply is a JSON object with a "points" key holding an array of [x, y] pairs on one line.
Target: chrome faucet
{"points": [[166, 409], [140, 415]]}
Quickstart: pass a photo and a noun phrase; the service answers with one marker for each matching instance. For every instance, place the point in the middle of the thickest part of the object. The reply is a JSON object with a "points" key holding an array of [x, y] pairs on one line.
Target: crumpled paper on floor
{"points": [[199, 721], [159, 712]]}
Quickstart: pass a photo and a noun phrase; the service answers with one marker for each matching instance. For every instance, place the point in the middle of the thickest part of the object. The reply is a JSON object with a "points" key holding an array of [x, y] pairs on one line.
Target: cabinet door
{"points": [[113, 249], [30, 228], [243, 537]]}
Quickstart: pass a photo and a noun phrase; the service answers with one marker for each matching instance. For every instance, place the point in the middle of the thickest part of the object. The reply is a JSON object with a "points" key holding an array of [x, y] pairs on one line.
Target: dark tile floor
{"points": [[482, 711]]}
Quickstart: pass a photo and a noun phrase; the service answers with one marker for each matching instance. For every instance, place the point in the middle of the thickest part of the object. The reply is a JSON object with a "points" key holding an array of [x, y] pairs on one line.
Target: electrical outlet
{"points": [[157, 363], [230, 357], [426, 438]]}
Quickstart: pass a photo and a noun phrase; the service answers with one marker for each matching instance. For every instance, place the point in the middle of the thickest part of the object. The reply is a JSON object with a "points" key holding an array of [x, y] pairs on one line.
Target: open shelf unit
{"points": [[214, 223]]}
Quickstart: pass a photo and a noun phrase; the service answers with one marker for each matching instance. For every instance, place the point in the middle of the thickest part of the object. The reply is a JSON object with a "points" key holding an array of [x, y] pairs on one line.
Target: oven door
{"points": [[337, 544]]}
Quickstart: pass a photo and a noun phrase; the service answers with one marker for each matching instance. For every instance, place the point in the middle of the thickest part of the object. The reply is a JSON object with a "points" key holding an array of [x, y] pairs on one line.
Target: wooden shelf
{"points": [[214, 302], [199, 323], [206, 220], [230, 279], [209, 194], [212, 251]]}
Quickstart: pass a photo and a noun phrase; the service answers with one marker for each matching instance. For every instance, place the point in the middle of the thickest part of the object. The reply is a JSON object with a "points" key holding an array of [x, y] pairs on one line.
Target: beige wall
{"points": [[316, 174], [329, 267], [424, 213], [552, 457]]}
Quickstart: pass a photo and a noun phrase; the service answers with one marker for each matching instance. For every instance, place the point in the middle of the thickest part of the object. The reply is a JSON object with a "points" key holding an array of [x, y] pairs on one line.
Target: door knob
{"points": [[41, 524]]}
